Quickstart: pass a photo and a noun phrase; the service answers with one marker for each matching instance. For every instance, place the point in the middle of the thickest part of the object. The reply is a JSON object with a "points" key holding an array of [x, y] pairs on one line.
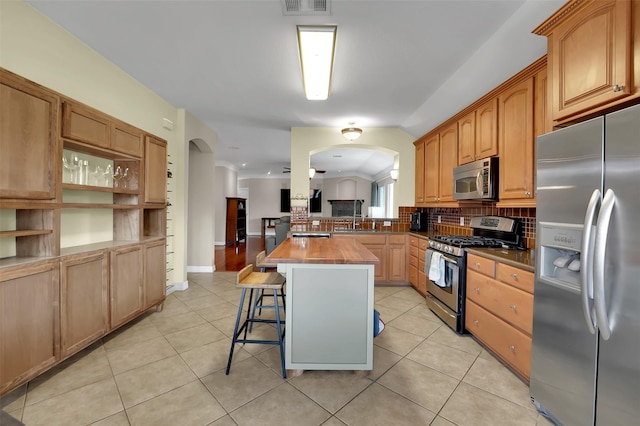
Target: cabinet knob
{"points": [[618, 88], [478, 265], [477, 289], [514, 276], [514, 308], [476, 321], [512, 347], [528, 193]]}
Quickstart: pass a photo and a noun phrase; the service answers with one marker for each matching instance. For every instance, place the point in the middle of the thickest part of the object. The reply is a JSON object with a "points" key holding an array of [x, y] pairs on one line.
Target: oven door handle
{"points": [[445, 257]]}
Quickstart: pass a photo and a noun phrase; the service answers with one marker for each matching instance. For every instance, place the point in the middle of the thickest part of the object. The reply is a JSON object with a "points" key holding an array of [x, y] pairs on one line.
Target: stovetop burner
{"points": [[468, 241]]}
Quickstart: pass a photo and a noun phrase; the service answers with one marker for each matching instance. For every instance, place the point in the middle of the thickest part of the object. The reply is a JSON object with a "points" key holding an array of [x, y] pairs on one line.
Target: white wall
{"points": [[200, 197], [306, 141], [263, 201], [226, 185]]}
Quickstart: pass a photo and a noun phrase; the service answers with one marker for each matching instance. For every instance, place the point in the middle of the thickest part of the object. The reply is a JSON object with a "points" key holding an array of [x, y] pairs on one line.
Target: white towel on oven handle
{"points": [[435, 271]]}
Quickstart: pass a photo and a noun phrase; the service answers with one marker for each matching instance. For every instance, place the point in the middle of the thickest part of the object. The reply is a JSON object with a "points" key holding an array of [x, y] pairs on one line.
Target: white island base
{"points": [[329, 316]]}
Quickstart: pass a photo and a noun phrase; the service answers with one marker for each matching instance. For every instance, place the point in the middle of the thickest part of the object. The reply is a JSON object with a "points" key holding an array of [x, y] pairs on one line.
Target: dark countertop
{"points": [[524, 259]]}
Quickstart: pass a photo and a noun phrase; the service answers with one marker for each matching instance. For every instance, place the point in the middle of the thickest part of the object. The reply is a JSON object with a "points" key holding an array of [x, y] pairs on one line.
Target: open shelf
{"points": [[25, 233]]}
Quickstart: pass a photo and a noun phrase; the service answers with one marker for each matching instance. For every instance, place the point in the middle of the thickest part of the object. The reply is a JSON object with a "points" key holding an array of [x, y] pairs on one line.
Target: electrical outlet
{"points": [[315, 222], [387, 223], [461, 221], [439, 219]]}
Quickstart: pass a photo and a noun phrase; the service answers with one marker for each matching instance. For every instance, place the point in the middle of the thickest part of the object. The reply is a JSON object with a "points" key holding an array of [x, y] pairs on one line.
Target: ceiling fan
{"points": [[286, 169]]}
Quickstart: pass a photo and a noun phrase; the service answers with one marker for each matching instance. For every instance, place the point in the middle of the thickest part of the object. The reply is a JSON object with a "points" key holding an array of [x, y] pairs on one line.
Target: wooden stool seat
{"points": [[261, 281], [262, 263], [258, 301]]}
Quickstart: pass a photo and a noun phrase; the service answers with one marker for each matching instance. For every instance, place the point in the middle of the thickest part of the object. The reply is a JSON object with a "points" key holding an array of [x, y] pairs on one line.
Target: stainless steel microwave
{"points": [[477, 180]]}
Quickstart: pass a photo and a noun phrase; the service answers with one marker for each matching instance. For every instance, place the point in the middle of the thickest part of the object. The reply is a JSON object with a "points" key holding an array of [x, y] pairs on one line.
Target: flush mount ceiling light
{"points": [[352, 133], [317, 46]]}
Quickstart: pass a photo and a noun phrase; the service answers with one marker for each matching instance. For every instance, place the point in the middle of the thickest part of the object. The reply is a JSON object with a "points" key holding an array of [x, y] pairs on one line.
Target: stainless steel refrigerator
{"points": [[585, 360]]}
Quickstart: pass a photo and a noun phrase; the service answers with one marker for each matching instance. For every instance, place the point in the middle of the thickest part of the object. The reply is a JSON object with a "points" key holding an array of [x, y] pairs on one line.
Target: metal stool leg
{"points": [[235, 330], [280, 332]]}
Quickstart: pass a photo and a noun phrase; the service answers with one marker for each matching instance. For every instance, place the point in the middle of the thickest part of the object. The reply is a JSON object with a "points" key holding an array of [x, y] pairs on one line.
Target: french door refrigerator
{"points": [[585, 360]]}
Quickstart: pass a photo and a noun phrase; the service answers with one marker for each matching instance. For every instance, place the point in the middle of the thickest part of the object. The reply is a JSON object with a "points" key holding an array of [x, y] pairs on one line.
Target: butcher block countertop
{"points": [[322, 251]]}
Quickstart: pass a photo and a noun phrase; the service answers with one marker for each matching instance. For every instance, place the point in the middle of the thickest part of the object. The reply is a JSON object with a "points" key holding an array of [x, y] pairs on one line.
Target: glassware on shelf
{"points": [[125, 178], [75, 169], [107, 176], [95, 177], [67, 172], [117, 177]]}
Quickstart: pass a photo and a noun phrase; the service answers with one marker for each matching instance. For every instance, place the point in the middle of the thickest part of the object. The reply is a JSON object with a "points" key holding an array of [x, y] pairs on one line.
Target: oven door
{"points": [[447, 294]]}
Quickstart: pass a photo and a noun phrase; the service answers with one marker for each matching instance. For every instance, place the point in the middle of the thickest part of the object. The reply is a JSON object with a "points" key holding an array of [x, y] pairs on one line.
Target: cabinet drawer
{"points": [[413, 262], [413, 251], [510, 304], [515, 276], [511, 345], [412, 276], [423, 244], [482, 265], [413, 241], [372, 239], [397, 239]]}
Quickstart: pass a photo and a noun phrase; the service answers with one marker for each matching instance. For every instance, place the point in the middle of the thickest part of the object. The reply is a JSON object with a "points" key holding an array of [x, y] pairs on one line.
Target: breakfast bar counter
{"points": [[329, 303]]}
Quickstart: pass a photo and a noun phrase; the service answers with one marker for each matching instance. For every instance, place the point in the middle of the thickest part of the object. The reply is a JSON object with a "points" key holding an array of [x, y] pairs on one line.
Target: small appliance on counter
{"points": [[419, 221]]}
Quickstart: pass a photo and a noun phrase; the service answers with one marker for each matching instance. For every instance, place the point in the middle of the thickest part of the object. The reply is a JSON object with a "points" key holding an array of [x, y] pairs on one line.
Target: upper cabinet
{"points": [[420, 158], [84, 124], [477, 133], [515, 136], [28, 140], [591, 64], [155, 168], [441, 156]]}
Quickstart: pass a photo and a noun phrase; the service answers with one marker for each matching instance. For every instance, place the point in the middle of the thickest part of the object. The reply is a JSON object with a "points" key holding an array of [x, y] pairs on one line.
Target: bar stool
{"points": [[258, 304], [247, 279]]}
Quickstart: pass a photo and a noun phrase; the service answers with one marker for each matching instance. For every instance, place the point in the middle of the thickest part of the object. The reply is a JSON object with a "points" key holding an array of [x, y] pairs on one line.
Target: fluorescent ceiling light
{"points": [[317, 45]]}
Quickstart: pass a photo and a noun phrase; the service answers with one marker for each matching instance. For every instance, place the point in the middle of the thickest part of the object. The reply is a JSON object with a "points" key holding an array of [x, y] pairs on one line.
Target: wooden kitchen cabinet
{"points": [[29, 322], [477, 133], [28, 114], [423, 245], [415, 263], [154, 289], [500, 310], [591, 65], [516, 144], [61, 289], [396, 258], [441, 156], [155, 170], [420, 171], [84, 300], [125, 284], [376, 244], [541, 104]]}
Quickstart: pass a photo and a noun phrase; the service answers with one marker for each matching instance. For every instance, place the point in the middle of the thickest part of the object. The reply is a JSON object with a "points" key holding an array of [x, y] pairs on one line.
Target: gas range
{"points": [[488, 231]]}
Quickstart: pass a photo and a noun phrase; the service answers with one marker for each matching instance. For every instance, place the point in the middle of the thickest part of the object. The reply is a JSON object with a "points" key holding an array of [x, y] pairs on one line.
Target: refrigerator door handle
{"points": [[586, 257], [602, 230]]}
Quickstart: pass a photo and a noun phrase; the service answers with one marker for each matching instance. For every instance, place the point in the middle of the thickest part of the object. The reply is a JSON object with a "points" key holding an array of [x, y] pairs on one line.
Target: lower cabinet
{"points": [[29, 322], [125, 284], [499, 310], [155, 259], [416, 248], [390, 249], [84, 300]]}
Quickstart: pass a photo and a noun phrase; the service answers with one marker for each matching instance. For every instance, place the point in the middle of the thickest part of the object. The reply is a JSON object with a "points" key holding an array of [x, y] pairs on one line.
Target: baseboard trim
{"points": [[177, 287], [200, 268]]}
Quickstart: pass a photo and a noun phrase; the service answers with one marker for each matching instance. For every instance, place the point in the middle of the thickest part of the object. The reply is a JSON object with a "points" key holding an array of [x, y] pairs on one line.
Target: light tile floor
{"points": [[167, 368]]}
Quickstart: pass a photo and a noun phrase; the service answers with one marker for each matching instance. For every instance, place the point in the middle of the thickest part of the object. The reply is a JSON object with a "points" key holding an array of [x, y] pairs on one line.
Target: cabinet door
{"points": [[448, 160], [591, 57], [515, 135], [467, 138], [541, 107], [396, 261], [378, 251], [420, 171], [84, 301], [487, 130], [85, 124], [126, 139], [155, 170], [155, 261], [432, 169], [29, 323], [125, 284], [28, 139]]}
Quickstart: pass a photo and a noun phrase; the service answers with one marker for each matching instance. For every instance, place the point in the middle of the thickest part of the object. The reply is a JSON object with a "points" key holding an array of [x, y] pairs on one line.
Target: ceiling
{"points": [[234, 64]]}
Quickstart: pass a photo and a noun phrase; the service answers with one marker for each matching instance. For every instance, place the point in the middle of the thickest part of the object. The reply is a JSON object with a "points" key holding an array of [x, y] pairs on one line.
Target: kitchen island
{"points": [[329, 299]]}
